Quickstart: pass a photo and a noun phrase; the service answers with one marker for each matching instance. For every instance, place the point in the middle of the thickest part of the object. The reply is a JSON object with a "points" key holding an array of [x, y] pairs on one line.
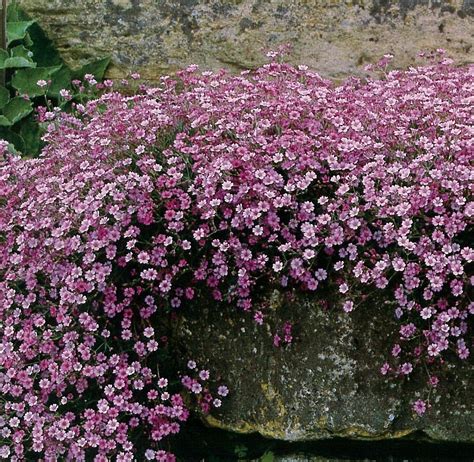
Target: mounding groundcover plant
{"points": [[201, 190]]}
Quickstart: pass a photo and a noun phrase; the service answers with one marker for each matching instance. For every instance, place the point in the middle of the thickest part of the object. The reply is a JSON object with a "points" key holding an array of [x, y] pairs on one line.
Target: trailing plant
{"points": [[35, 75], [204, 190]]}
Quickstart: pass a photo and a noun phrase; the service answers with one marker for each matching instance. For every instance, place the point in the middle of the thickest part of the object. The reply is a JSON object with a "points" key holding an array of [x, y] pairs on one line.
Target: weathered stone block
{"points": [[327, 384], [334, 37]]}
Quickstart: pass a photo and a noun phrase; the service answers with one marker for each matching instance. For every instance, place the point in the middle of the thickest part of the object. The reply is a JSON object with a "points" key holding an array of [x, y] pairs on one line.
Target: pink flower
{"points": [[196, 388], [148, 332], [258, 317], [433, 350], [396, 350], [419, 406], [214, 185], [348, 306], [204, 375], [149, 274], [223, 390], [384, 369], [406, 368]]}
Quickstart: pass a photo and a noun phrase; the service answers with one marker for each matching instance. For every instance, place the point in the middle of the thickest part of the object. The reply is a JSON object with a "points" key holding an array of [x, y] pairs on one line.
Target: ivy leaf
{"points": [[17, 109], [4, 96], [96, 68], [25, 80], [16, 30]]}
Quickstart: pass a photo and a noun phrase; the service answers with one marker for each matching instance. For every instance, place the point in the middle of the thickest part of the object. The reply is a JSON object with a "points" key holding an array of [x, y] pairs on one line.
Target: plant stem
{"points": [[3, 36], [4, 24]]}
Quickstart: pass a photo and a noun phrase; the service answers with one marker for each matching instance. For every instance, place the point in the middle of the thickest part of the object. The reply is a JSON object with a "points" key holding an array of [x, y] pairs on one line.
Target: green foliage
{"points": [[25, 80], [61, 80], [16, 30], [30, 132], [96, 68], [17, 108], [19, 56], [268, 457], [241, 450], [4, 97], [30, 57]]}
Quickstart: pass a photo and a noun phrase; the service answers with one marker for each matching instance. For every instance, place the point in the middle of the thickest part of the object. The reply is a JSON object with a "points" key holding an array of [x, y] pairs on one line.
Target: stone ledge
{"points": [[327, 384]]}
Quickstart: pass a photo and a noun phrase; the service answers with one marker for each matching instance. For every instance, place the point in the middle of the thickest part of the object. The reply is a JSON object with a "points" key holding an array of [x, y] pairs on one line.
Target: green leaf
{"points": [[240, 450], [3, 56], [17, 109], [12, 149], [268, 457], [16, 30], [19, 59], [12, 137], [25, 80], [4, 96], [15, 13], [27, 40], [96, 68], [4, 122], [45, 53], [17, 63], [61, 79], [21, 52], [31, 132]]}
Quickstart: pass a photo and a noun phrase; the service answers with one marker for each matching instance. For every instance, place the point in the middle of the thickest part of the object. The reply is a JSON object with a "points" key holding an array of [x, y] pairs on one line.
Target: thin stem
{"points": [[3, 36], [4, 24]]}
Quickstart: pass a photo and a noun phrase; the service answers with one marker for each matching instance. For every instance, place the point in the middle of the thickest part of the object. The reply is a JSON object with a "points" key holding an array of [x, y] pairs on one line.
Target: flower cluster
{"points": [[208, 187], [286, 335], [79, 312]]}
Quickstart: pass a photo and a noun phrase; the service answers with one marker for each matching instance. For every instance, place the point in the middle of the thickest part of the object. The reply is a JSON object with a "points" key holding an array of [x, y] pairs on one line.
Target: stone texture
{"points": [[328, 383], [335, 37], [304, 458]]}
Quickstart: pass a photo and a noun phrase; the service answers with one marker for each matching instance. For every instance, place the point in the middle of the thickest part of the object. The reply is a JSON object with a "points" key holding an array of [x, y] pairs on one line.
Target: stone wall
{"points": [[328, 383], [335, 37]]}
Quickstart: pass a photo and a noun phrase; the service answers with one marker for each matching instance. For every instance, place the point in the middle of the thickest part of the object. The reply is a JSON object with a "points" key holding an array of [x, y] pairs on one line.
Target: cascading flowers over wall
{"points": [[197, 189]]}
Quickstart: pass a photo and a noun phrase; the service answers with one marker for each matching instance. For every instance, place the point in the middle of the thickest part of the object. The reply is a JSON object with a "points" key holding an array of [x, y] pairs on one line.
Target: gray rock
{"points": [[302, 458], [327, 384], [334, 37]]}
